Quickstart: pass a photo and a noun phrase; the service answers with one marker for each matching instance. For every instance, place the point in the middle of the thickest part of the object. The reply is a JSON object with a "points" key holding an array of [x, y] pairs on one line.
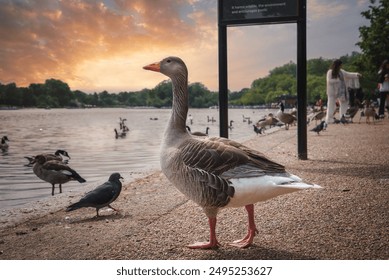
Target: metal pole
{"points": [[302, 81], [223, 82], [223, 79]]}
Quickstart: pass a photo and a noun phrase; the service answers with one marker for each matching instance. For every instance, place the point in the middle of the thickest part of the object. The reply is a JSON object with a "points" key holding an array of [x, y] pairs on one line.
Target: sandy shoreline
{"points": [[347, 219]]}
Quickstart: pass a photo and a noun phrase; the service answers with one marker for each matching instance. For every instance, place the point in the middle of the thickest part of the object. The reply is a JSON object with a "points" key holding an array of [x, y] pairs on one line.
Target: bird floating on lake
{"points": [[54, 172], [4, 143], [198, 133], [216, 172], [101, 196], [122, 134]]}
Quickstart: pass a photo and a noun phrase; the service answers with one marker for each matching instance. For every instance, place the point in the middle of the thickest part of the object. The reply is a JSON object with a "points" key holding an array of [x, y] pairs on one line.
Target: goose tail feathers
{"points": [[77, 177]]}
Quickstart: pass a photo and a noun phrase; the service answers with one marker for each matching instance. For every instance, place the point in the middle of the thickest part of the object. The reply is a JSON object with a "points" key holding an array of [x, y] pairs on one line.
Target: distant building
{"points": [[289, 100]]}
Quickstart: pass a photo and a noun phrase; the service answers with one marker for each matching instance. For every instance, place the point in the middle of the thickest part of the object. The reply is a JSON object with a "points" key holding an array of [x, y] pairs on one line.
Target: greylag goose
{"points": [[216, 172], [267, 121], [286, 118], [101, 196], [54, 172], [318, 116], [4, 143]]}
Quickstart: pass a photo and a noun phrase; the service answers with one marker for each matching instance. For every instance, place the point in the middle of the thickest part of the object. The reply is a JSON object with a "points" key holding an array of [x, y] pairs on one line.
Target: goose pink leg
{"points": [[212, 239], [252, 231]]}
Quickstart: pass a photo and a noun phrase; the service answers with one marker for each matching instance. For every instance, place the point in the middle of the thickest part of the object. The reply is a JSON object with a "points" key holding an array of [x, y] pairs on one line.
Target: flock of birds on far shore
{"points": [[317, 114]]}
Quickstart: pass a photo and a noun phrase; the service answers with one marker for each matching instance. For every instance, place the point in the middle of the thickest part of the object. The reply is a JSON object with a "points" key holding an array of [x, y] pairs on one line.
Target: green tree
{"points": [[59, 91], [375, 37]]}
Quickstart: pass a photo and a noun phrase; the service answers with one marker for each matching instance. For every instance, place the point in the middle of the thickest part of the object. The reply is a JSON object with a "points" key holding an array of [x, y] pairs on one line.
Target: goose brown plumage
{"points": [[54, 172], [216, 172], [286, 118]]}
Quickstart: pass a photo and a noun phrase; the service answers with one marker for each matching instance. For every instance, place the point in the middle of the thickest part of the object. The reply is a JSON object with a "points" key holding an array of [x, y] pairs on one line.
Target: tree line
{"points": [[281, 81], [57, 94]]}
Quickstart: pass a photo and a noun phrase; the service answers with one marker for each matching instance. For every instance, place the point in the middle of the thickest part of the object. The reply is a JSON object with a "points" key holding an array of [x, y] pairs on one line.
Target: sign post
{"points": [[253, 12]]}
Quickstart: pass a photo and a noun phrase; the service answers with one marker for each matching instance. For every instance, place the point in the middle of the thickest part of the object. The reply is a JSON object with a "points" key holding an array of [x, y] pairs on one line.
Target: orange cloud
{"points": [[59, 39], [103, 44]]}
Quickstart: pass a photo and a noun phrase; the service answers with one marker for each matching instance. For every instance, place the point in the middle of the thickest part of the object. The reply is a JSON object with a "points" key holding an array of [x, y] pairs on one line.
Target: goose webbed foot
{"points": [[246, 241], [213, 243], [252, 231]]}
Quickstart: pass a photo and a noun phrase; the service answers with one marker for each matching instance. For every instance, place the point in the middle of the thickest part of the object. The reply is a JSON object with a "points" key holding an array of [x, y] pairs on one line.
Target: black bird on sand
{"points": [[101, 196], [319, 127], [257, 130]]}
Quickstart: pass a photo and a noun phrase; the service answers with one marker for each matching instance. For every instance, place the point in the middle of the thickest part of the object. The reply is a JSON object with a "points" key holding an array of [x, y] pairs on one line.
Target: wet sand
{"points": [[347, 219]]}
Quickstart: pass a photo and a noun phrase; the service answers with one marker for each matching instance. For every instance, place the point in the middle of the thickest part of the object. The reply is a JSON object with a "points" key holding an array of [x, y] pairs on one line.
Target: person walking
{"points": [[383, 85], [337, 79]]}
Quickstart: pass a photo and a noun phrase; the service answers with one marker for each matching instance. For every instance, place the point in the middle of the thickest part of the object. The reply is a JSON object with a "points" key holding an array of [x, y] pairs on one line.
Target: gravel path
{"points": [[347, 219]]}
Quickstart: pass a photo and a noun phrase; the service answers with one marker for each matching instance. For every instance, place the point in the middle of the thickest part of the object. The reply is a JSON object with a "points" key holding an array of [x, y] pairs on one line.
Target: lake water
{"points": [[88, 136]]}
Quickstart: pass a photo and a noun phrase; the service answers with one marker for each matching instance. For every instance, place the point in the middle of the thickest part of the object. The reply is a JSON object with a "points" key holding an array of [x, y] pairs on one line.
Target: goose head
{"points": [[171, 66], [62, 152], [282, 107]]}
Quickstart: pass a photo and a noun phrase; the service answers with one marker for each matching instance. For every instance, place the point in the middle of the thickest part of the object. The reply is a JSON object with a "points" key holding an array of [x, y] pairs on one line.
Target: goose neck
{"points": [[180, 104]]}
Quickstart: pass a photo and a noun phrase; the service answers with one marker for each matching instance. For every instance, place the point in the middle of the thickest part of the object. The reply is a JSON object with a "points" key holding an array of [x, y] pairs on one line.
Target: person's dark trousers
{"points": [[383, 95], [351, 94]]}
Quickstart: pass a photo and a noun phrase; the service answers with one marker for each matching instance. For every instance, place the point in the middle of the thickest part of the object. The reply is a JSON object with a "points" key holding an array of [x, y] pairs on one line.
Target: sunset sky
{"points": [[96, 45]]}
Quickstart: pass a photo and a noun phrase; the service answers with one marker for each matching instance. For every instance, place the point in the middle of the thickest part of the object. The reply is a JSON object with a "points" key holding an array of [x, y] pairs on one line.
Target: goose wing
{"points": [[227, 158], [60, 167], [55, 165]]}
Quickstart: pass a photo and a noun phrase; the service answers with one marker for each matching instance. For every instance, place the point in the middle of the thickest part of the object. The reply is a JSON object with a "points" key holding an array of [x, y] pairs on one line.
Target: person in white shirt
{"points": [[383, 84], [337, 79]]}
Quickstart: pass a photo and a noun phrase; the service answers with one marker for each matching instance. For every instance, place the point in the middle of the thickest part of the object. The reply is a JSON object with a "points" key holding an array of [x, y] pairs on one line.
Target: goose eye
{"points": [[168, 61]]}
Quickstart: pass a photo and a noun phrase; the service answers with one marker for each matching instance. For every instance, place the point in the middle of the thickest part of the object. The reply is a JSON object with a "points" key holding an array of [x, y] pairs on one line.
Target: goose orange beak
{"points": [[153, 67]]}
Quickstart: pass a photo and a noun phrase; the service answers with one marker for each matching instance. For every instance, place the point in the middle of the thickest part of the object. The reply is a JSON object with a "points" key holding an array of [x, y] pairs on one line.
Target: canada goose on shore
{"points": [[54, 172], [286, 118], [101, 196], [216, 172]]}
